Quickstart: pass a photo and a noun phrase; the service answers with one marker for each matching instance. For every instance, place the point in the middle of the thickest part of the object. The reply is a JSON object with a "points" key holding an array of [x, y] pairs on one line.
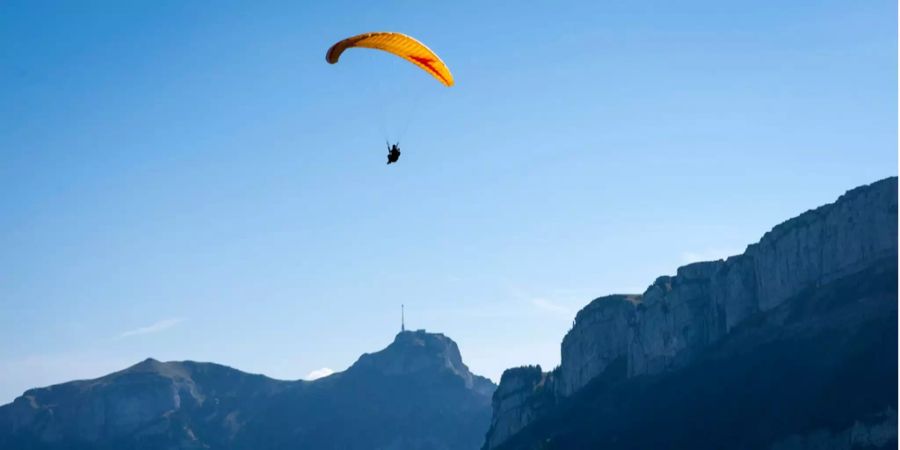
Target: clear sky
{"points": [[191, 180]]}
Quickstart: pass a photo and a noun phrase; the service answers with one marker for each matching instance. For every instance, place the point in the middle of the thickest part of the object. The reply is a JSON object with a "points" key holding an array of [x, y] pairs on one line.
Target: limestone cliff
{"points": [[519, 400], [679, 316]]}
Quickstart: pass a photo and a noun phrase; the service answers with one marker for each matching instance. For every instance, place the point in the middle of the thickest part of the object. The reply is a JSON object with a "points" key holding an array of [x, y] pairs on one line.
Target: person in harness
{"points": [[393, 153]]}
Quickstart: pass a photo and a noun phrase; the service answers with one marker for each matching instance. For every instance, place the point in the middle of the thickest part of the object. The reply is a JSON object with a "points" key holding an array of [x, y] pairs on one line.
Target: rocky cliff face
{"points": [[519, 401], [415, 352], [679, 316], [414, 394]]}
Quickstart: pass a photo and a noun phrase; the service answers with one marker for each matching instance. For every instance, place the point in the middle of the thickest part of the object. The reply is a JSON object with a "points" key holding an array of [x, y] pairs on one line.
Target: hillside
{"points": [[414, 394]]}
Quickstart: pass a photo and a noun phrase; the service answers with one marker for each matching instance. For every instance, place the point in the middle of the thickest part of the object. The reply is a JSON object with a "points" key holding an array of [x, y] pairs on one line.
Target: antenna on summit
{"points": [[402, 319]]}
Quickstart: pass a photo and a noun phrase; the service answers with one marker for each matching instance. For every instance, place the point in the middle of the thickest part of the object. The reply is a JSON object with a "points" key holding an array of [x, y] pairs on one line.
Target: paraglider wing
{"points": [[399, 44]]}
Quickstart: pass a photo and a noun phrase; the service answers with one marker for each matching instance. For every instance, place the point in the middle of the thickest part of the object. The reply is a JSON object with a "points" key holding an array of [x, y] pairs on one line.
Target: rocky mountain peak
{"points": [[147, 365], [415, 352], [414, 394]]}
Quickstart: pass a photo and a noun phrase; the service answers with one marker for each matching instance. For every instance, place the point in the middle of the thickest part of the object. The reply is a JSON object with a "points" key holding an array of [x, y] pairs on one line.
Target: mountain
{"points": [[414, 394], [790, 345]]}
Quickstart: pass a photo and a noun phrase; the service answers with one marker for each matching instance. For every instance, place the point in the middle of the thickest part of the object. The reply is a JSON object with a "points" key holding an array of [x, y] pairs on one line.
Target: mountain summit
{"points": [[420, 353], [414, 394]]}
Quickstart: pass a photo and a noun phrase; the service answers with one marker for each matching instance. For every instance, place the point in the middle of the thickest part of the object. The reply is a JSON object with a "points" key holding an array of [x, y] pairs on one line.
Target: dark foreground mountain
{"points": [[790, 345], [414, 394]]}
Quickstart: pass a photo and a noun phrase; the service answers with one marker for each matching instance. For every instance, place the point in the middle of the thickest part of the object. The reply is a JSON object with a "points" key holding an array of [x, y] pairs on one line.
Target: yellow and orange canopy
{"points": [[398, 44]]}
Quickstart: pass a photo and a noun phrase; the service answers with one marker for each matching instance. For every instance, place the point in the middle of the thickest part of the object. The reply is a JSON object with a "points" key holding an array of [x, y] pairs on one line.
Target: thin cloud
{"points": [[556, 302], [157, 327], [319, 373]]}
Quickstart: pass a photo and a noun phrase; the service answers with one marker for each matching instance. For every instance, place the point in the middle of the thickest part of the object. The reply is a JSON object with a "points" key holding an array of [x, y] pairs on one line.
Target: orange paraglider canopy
{"points": [[398, 44]]}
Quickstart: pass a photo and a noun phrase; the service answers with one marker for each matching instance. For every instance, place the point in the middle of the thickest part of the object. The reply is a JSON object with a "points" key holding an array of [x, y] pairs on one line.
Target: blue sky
{"points": [[191, 180]]}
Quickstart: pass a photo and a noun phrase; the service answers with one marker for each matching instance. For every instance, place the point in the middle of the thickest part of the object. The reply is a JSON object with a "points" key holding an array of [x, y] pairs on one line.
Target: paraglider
{"points": [[400, 45], [393, 153]]}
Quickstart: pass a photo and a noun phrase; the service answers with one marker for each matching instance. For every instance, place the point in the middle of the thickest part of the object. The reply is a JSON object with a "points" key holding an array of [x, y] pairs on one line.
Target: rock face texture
{"points": [[681, 319], [518, 401], [414, 394], [421, 352]]}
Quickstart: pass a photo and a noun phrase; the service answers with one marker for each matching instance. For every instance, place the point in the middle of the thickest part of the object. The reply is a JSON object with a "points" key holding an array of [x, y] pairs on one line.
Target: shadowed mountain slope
{"points": [[414, 394], [790, 345]]}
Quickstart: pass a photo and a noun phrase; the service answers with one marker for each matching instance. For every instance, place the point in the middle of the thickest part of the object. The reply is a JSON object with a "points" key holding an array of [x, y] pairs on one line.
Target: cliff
{"points": [[678, 318], [414, 352]]}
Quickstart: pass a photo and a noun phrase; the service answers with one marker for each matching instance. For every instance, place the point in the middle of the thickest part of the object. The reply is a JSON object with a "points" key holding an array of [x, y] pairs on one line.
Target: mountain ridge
{"points": [[678, 317], [188, 404]]}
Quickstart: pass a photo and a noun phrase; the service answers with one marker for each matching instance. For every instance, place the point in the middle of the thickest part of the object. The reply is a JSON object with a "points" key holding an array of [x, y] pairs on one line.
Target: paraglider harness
{"points": [[393, 152]]}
